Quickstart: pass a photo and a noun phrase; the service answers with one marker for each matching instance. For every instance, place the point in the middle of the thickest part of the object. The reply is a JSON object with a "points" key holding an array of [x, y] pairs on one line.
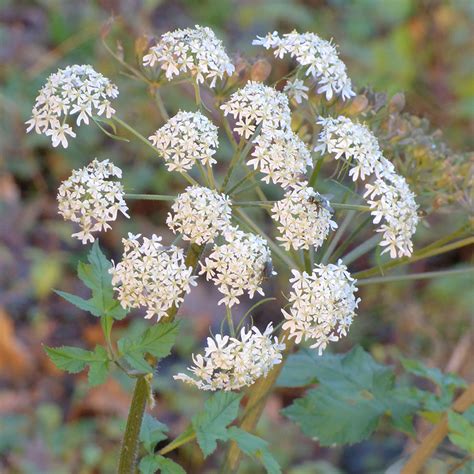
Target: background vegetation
{"points": [[49, 422]]}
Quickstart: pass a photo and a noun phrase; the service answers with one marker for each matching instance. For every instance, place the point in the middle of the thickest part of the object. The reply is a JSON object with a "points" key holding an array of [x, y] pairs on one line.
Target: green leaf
{"points": [[434, 374], [255, 447], [153, 463], [354, 392], [75, 359], [211, 425], [98, 368], [70, 359], [156, 340], [461, 431], [299, 369], [81, 303], [152, 432], [95, 275]]}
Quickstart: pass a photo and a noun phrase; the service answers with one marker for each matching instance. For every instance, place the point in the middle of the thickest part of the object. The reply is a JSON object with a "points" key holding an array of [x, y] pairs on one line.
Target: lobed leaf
{"points": [[211, 425]]}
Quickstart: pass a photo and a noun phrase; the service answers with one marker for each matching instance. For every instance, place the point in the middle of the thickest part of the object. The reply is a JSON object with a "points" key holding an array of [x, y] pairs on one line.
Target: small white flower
{"points": [[230, 363], [303, 217], [319, 57], [296, 90], [322, 305], [186, 138], [195, 51], [89, 198], [75, 90], [200, 214], [151, 275], [238, 266]]}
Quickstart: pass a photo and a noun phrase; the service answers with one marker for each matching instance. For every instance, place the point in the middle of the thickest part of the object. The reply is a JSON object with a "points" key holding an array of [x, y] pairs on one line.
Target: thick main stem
{"points": [[129, 451]]}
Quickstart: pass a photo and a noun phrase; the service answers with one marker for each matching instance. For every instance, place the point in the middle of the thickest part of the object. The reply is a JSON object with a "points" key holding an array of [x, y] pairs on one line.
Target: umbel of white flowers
{"points": [[303, 218], [238, 266], [156, 277], [390, 199], [318, 57], [74, 91], [322, 305], [193, 51], [230, 363], [200, 214], [185, 139], [151, 275], [91, 199]]}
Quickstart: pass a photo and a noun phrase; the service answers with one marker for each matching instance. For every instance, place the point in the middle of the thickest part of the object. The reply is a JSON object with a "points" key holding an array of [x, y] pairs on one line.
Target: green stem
{"points": [[150, 197], [188, 435], [146, 142], [230, 321], [314, 175], [415, 276], [129, 452], [362, 249], [426, 252], [197, 93], [160, 104]]}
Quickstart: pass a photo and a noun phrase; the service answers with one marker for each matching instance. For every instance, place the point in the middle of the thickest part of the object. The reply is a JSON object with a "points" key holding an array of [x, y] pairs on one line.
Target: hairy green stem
{"points": [[129, 452]]}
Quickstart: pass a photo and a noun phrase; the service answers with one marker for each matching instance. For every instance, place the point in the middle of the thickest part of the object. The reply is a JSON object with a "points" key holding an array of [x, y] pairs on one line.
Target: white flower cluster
{"points": [[304, 218], [390, 199], [281, 155], [186, 138], [200, 214], [322, 305], [230, 363], [151, 275], [239, 265], [195, 51], [353, 142], [75, 90], [256, 103], [319, 56], [89, 198], [393, 203]]}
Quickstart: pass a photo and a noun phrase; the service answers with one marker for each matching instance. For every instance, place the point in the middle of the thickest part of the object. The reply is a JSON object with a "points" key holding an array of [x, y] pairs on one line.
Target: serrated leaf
{"points": [[461, 431], [153, 463], [81, 303], [75, 359], [211, 425], [152, 432], [156, 340], [95, 275], [255, 447], [354, 392], [70, 359]]}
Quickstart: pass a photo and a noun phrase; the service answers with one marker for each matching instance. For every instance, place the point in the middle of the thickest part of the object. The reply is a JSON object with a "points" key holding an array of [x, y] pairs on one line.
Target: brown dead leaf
{"points": [[15, 362]]}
